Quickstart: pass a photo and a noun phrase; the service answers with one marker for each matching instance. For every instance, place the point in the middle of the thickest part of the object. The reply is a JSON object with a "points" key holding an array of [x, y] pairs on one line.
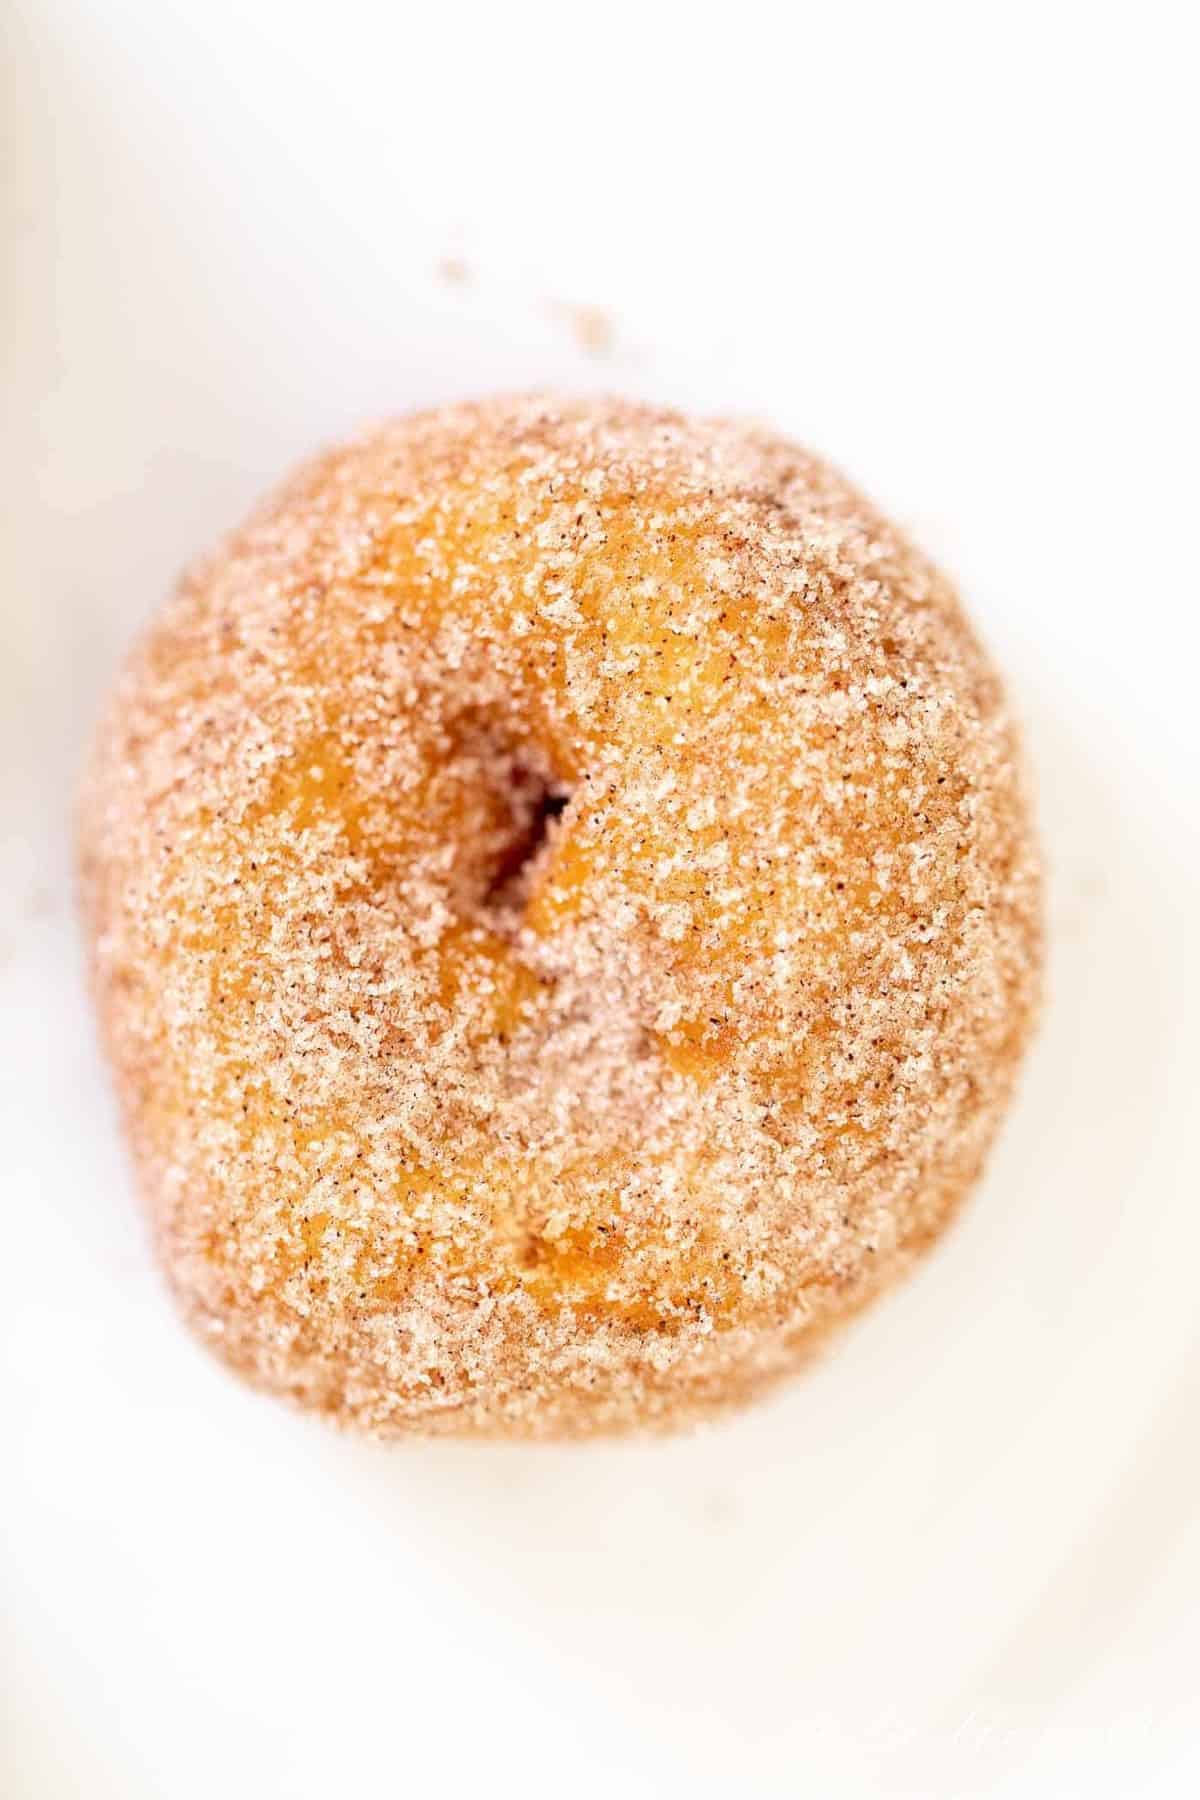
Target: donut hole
{"points": [[538, 804], [492, 805]]}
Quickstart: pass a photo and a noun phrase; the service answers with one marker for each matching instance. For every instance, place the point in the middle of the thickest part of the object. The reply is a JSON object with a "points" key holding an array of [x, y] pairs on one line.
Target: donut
{"points": [[564, 917]]}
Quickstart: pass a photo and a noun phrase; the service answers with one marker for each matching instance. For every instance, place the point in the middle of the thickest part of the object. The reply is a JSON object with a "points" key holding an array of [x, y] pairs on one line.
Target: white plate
{"points": [[962, 1556]]}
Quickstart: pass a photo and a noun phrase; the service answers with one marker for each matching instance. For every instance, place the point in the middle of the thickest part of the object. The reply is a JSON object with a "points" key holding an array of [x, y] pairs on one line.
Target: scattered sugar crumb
{"points": [[593, 329], [454, 271]]}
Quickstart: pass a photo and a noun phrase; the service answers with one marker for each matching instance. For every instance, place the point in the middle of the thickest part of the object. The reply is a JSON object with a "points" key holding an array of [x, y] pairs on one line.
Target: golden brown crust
{"points": [[564, 919]]}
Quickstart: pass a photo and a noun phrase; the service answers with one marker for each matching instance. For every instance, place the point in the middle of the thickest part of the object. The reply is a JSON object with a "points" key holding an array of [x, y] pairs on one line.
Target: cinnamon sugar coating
{"points": [[564, 919]]}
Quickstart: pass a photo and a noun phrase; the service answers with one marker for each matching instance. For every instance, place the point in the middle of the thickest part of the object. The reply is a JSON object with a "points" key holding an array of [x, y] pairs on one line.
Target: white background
{"points": [[951, 248]]}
